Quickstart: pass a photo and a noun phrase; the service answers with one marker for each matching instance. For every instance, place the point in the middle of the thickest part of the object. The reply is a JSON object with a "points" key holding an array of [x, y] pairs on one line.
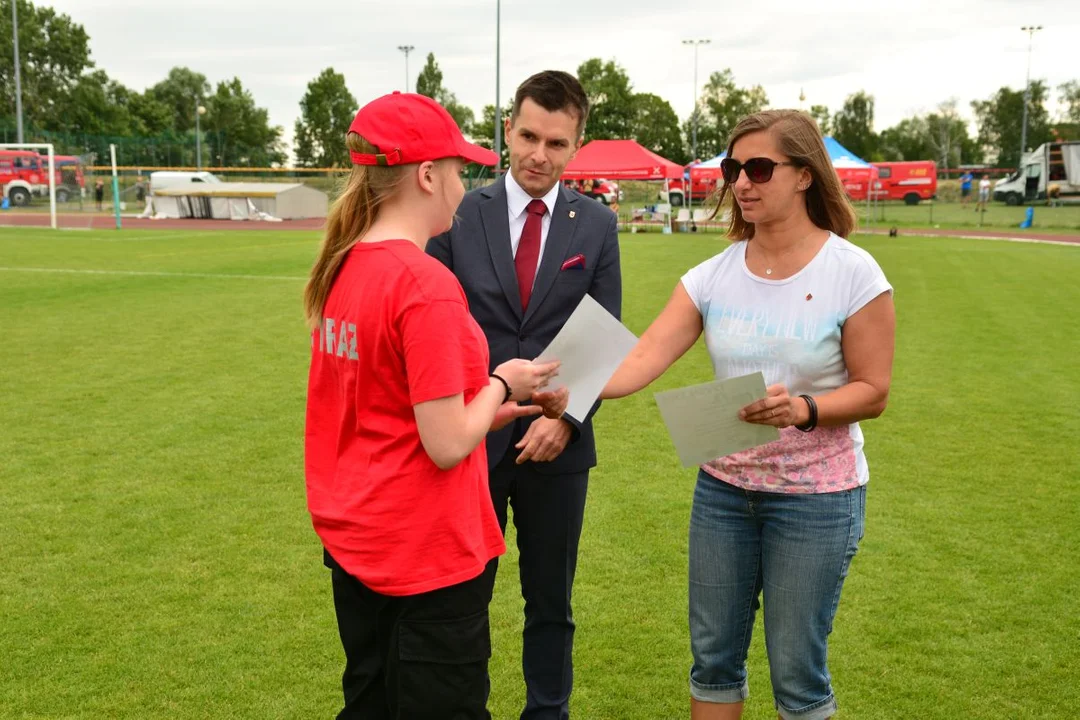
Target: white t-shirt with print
{"points": [[789, 330]]}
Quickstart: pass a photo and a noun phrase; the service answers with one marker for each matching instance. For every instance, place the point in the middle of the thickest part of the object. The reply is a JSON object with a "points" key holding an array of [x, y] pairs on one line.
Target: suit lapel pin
{"points": [[572, 214]]}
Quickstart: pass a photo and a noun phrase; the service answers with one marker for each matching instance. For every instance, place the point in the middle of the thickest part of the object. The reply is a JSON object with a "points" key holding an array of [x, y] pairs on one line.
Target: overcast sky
{"points": [[909, 55]]}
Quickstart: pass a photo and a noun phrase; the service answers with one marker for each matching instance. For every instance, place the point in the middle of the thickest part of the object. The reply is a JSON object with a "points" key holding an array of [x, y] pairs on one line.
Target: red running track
{"points": [[105, 222], [1015, 235]]}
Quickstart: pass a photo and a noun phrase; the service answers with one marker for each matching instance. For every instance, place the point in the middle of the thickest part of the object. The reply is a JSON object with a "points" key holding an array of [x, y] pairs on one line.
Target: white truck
{"points": [[173, 178], [1049, 171]]}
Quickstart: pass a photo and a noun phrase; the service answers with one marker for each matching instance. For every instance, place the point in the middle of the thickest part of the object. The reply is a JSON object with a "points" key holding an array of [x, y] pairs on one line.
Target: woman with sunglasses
{"points": [[793, 299], [400, 400]]}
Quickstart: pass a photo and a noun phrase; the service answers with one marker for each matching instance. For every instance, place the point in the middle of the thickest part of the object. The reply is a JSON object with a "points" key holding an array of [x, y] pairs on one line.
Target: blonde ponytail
{"points": [[349, 219]]}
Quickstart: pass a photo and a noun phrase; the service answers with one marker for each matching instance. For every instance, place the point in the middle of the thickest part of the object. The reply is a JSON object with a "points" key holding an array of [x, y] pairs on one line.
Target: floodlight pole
{"points": [[694, 117], [406, 49], [1030, 30], [18, 75]]}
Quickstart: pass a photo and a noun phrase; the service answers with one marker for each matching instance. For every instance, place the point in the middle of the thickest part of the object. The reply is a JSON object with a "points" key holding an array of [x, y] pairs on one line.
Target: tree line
{"points": [[942, 134], [69, 100]]}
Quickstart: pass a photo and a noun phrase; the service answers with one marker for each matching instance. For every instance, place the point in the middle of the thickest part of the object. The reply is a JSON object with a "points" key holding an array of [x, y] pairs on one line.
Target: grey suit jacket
{"points": [[477, 249]]}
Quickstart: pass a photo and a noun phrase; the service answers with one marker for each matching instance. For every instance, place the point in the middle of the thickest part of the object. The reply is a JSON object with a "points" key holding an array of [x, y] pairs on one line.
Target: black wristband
{"points": [[812, 422], [506, 385]]}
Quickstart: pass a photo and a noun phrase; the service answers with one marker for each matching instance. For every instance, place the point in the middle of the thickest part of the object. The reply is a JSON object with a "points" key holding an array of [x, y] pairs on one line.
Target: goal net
{"points": [[28, 172]]}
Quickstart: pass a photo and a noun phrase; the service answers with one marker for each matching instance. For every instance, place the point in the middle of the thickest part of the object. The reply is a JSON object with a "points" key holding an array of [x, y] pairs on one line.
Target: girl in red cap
{"points": [[399, 402]]}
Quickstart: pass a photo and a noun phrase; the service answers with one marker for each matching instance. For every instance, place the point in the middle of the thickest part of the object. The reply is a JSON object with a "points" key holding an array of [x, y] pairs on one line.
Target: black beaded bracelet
{"points": [[812, 422], [506, 385]]}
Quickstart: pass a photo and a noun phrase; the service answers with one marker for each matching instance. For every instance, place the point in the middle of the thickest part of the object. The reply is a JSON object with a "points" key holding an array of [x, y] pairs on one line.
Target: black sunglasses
{"points": [[758, 170]]}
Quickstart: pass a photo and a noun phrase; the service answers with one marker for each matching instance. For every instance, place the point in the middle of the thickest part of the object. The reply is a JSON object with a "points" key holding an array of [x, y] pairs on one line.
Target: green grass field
{"points": [[158, 561], [998, 216]]}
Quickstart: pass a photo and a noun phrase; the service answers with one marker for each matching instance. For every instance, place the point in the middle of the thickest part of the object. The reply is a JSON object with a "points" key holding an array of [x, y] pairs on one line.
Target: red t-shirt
{"points": [[397, 332]]}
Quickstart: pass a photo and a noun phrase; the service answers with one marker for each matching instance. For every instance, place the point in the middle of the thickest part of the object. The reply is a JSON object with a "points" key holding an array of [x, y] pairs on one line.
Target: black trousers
{"points": [[420, 657], [548, 513]]}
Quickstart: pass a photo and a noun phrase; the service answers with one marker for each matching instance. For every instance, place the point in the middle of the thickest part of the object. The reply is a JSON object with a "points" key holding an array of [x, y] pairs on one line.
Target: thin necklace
{"points": [[768, 270]]}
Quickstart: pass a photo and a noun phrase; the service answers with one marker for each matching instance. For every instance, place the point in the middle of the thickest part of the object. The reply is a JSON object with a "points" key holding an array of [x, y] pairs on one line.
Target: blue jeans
{"points": [[793, 549]]}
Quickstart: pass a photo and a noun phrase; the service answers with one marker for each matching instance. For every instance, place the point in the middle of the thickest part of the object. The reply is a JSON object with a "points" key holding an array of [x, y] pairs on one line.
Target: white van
{"points": [[172, 178]]}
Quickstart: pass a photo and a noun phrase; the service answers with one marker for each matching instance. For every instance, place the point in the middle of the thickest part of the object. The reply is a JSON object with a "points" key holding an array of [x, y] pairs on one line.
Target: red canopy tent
{"points": [[620, 159]]}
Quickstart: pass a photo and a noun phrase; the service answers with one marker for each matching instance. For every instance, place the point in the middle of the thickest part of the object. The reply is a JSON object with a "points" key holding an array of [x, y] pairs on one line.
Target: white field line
{"points": [[152, 273]]}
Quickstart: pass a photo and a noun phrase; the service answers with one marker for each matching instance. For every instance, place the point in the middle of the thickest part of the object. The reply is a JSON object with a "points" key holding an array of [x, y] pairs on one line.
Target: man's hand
{"points": [[544, 441], [553, 403]]}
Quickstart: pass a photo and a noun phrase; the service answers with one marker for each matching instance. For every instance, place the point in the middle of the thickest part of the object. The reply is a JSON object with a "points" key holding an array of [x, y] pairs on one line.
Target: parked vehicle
{"points": [[598, 189], [1052, 169], [909, 181], [70, 180], [173, 178], [21, 176], [701, 189]]}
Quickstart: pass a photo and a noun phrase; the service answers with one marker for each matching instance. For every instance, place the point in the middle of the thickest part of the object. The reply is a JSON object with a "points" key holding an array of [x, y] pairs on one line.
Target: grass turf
{"points": [[159, 562]]}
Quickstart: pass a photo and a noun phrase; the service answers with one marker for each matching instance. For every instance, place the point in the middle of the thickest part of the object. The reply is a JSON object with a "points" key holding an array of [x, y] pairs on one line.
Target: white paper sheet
{"points": [[591, 345], [703, 420]]}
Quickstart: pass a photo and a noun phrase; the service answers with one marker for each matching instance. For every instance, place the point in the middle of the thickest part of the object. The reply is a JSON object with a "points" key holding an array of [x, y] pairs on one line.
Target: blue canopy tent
{"points": [[855, 173], [842, 158]]}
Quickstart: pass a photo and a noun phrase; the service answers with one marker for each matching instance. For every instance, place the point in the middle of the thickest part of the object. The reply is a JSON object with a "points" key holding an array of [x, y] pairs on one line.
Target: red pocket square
{"points": [[576, 261]]}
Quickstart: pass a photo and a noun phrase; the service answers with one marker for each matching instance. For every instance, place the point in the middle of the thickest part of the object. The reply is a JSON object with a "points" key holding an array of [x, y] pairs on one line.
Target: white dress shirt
{"points": [[516, 202]]}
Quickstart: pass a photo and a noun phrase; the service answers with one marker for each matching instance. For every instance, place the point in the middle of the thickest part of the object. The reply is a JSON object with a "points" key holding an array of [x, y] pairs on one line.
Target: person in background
{"points": [[984, 194], [148, 199], [965, 187]]}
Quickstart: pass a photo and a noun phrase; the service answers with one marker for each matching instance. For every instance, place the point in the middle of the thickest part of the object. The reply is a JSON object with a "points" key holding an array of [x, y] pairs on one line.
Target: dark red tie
{"points": [[528, 252]]}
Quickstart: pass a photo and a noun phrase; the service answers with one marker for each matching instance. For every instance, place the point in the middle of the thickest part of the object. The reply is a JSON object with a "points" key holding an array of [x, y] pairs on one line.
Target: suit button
{"points": [[523, 337]]}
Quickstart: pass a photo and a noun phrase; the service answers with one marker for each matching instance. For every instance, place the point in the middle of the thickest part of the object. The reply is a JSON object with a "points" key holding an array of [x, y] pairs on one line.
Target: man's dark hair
{"points": [[554, 90]]}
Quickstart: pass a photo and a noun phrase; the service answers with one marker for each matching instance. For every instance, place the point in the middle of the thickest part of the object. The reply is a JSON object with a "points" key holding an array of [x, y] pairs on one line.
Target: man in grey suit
{"points": [[527, 250]]}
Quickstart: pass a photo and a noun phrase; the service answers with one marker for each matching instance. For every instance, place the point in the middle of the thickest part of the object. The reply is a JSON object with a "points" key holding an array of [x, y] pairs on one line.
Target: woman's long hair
{"points": [[799, 139], [349, 219]]}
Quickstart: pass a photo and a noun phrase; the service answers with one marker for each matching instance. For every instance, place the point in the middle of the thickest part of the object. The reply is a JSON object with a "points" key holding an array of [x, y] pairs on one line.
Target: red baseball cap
{"points": [[408, 128]]}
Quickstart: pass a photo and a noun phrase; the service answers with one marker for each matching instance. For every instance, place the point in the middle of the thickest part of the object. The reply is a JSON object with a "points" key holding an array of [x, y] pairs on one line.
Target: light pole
{"points": [[498, 125], [1030, 30], [199, 112], [18, 77], [694, 118], [406, 49]]}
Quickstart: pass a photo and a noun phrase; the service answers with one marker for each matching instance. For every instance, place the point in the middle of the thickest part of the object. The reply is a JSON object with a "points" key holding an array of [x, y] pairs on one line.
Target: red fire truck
{"points": [[910, 181], [25, 173], [603, 191], [702, 187], [21, 176], [70, 181]]}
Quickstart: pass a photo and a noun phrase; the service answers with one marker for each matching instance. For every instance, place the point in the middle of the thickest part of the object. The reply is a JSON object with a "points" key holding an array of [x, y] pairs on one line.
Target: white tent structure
{"points": [[240, 201]]}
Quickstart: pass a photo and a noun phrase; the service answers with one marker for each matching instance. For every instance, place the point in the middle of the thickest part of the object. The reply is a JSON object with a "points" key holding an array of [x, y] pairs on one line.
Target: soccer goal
{"points": [[23, 177]]}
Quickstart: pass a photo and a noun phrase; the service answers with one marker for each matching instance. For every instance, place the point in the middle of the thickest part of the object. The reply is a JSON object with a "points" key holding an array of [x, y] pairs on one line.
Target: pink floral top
{"points": [[790, 330]]}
